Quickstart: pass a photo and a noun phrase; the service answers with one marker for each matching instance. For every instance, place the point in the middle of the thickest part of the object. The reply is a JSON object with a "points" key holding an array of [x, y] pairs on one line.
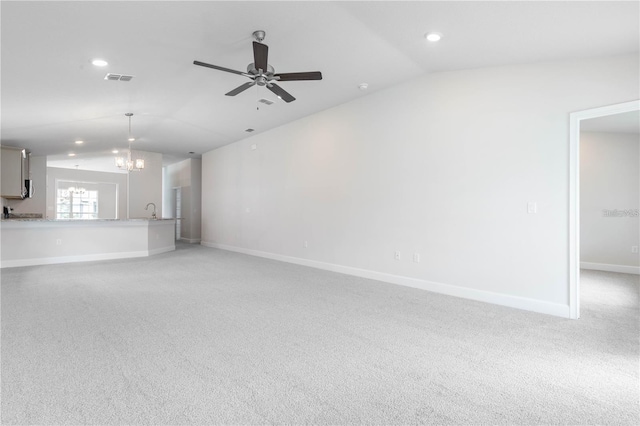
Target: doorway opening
{"points": [[177, 210], [575, 120]]}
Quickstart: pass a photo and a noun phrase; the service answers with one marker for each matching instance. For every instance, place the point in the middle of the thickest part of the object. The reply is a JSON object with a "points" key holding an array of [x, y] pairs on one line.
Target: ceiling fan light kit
{"points": [[262, 74]]}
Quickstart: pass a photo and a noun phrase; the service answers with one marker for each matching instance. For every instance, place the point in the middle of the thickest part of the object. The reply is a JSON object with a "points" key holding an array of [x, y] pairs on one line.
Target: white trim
{"points": [[160, 250], [574, 193], [83, 258], [190, 240], [450, 290], [623, 269], [69, 259]]}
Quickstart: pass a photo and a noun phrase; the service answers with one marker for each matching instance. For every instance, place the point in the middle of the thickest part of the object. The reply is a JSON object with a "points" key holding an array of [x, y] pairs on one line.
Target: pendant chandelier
{"points": [[77, 190], [128, 163]]}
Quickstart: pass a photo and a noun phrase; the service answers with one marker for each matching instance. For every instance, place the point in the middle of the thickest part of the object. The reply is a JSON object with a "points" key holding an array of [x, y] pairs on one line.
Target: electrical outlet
{"points": [[58, 242], [532, 207], [306, 244], [634, 249], [416, 257], [397, 255]]}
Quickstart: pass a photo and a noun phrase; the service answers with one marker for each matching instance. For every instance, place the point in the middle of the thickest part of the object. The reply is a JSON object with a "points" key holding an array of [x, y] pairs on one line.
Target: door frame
{"points": [[574, 193]]}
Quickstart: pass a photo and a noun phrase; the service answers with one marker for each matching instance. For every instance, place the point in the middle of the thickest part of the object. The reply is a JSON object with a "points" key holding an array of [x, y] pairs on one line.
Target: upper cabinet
{"points": [[13, 172]]}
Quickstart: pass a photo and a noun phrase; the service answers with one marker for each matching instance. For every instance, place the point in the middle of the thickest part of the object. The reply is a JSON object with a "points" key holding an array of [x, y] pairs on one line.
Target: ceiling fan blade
{"points": [[260, 54], [280, 92], [241, 89], [293, 76], [215, 67]]}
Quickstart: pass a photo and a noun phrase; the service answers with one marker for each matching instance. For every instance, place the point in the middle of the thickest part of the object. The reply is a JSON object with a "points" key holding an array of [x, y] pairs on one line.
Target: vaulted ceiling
{"points": [[52, 95]]}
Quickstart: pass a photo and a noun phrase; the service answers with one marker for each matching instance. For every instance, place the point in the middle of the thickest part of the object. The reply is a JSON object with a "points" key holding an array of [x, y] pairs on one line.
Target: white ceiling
{"points": [[52, 95]]}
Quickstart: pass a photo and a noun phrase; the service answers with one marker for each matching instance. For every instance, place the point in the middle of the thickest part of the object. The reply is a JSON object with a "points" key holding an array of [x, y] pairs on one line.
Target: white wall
{"points": [[443, 166], [609, 180], [56, 173], [186, 175]]}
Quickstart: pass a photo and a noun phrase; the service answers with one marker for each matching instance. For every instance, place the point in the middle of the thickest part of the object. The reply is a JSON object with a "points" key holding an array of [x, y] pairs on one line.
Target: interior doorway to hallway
{"points": [[577, 119]]}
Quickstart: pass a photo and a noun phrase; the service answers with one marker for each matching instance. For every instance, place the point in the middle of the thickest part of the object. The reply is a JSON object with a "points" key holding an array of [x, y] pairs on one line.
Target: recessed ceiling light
{"points": [[433, 37], [131, 139], [363, 86], [71, 154], [115, 151], [99, 62], [79, 142]]}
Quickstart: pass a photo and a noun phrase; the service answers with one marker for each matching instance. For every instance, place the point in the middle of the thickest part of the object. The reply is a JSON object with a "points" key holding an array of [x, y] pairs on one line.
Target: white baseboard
{"points": [[624, 269], [190, 240], [161, 250], [83, 258], [70, 259], [450, 290]]}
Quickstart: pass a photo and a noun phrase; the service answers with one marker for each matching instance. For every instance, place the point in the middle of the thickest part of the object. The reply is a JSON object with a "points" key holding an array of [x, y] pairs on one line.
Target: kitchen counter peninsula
{"points": [[28, 242]]}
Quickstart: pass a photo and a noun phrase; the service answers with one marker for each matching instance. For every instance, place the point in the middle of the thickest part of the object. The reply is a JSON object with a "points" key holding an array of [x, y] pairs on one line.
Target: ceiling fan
{"points": [[263, 74]]}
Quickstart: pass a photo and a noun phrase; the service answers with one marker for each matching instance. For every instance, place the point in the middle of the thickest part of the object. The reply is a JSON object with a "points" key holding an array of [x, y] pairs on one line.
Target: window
{"points": [[76, 202]]}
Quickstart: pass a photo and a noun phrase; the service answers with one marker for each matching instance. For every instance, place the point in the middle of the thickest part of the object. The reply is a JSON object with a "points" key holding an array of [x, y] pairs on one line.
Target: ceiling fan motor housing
{"points": [[251, 69], [261, 79], [262, 74]]}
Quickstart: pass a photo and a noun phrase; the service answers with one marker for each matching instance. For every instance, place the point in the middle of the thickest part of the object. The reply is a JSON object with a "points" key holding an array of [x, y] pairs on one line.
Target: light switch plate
{"points": [[532, 207]]}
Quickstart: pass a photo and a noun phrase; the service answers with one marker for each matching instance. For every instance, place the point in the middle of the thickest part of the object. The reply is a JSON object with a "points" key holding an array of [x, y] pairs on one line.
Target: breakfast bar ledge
{"points": [[29, 242]]}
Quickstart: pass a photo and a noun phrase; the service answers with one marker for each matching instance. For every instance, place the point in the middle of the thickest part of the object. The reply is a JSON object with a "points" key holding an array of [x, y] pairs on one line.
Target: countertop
{"points": [[136, 219]]}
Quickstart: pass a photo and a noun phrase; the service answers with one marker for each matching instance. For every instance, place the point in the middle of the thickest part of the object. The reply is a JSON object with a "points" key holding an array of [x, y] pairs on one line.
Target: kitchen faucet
{"points": [[153, 215]]}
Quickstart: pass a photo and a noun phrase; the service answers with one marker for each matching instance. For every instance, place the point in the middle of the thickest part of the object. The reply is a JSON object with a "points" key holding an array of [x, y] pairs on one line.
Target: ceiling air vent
{"points": [[118, 77], [265, 101]]}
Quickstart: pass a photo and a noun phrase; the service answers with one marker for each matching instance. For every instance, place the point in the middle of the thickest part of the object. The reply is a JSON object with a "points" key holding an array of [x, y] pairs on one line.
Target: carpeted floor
{"points": [[204, 336]]}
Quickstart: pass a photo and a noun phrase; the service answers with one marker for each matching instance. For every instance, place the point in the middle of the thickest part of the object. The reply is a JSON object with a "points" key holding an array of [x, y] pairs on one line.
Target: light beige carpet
{"points": [[204, 336]]}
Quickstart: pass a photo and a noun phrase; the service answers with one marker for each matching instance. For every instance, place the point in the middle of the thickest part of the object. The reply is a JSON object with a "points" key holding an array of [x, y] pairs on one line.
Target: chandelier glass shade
{"points": [[76, 190], [129, 163]]}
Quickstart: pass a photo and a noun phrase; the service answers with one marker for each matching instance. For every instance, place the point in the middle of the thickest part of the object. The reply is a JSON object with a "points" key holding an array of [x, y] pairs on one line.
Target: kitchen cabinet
{"points": [[12, 172]]}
